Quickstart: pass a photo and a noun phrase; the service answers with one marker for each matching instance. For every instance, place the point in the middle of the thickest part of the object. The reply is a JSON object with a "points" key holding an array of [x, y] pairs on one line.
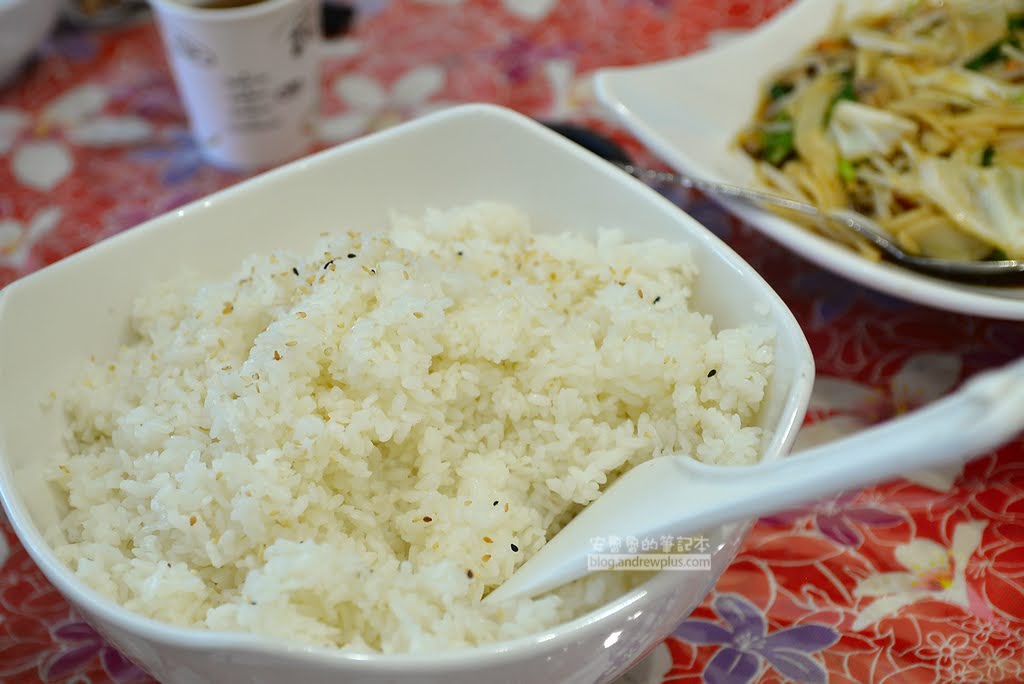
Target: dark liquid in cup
{"points": [[226, 4]]}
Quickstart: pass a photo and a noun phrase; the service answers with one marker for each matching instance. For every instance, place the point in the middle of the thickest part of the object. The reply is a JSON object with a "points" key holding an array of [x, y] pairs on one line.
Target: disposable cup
{"points": [[248, 76]]}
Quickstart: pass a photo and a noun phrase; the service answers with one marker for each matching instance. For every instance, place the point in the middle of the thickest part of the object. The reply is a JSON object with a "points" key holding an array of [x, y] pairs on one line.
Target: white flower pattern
{"points": [[946, 648], [997, 664], [561, 74], [527, 9], [983, 631], [372, 108], [39, 154], [933, 573], [17, 240]]}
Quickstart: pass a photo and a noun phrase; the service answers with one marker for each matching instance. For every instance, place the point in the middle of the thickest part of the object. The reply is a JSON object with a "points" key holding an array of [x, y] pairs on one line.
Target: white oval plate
{"points": [[690, 110]]}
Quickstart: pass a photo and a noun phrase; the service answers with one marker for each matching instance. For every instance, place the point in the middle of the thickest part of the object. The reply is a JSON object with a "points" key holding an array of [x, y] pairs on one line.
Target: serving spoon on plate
{"points": [[677, 495], [990, 271]]}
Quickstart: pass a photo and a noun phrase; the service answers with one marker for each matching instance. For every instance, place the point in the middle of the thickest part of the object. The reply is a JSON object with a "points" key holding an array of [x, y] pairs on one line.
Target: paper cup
{"points": [[248, 77]]}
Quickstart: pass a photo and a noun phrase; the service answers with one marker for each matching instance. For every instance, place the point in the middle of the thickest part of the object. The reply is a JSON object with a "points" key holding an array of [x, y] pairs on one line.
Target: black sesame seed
{"points": [[336, 19], [712, 373], [469, 574], [459, 252], [515, 549], [327, 265], [295, 270], [657, 299], [495, 503], [351, 255]]}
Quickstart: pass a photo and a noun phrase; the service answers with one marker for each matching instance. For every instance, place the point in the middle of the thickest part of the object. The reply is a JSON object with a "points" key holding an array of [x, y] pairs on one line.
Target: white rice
{"points": [[318, 457]]}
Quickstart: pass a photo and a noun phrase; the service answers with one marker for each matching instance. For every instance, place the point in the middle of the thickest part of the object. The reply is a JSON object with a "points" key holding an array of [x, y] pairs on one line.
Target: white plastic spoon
{"points": [[677, 495]]}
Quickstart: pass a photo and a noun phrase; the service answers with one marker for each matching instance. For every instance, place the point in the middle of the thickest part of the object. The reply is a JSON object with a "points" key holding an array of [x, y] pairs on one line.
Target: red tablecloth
{"points": [[919, 580]]}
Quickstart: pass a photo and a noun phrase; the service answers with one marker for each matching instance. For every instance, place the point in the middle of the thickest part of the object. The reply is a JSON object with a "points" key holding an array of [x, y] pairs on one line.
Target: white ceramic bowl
{"points": [[690, 111], [23, 25], [51, 321]]}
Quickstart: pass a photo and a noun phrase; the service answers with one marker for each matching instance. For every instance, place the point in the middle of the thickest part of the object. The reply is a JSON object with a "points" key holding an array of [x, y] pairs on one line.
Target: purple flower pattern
{"points": [[71, 43], [704, 210], [520, 59], [179, 154], [834, 297], [747, 645], [81, 644], [838, 519]]}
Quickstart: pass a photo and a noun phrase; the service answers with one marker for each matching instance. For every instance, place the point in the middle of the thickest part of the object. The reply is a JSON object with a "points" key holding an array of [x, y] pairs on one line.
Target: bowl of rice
{"points": [[299, 429]]}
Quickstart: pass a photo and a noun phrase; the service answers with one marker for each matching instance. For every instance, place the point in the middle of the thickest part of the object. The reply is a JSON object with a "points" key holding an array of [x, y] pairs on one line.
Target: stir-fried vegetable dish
{"points": [[916, 120]]}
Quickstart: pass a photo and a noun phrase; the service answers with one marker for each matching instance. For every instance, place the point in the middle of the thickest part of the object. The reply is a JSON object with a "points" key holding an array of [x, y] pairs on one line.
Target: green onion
{"points": [[847, 171], [990, 55], [997, 255], [777, 144], [847, 92], [988, 156], [994, 53], [779, 90]]}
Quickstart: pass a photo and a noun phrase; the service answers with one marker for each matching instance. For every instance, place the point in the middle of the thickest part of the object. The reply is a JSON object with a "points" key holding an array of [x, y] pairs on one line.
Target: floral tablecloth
{"points": [[919, 580]]}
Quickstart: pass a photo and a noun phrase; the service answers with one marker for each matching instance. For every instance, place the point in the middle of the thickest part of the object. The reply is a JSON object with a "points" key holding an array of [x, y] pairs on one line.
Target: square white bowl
{"points": [[53, 320], [690, 111]]}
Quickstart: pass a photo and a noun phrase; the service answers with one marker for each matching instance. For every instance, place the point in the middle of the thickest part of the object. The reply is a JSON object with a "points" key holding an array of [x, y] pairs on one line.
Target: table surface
{"points": [[918, 580]]}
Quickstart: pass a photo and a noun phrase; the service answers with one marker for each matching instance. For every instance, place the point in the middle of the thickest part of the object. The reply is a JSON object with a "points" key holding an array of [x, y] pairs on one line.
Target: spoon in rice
{"points": [[983, 271], [677, 495]]}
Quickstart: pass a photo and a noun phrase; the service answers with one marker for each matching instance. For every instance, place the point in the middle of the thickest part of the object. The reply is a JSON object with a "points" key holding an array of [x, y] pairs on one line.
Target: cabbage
{"points": [[986, 202], [879, 41], [809, 109], [966, 83], [981, 27], [868, 39], [937, 236], [945, 241], [862, 131]]}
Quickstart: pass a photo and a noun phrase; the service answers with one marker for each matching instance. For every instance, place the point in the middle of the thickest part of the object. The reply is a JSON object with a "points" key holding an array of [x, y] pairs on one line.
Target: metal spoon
{"points": [[677, 495], [851, 220]]}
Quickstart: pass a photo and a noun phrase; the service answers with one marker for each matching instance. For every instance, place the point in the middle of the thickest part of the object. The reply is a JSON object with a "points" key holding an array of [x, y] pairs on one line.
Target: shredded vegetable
{"points": [[915, 119]]}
